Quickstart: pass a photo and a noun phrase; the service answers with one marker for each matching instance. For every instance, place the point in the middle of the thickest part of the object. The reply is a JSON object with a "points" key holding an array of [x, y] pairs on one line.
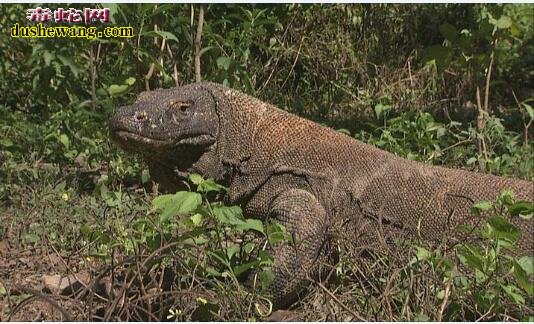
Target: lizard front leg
{"points": [[305, 219]]}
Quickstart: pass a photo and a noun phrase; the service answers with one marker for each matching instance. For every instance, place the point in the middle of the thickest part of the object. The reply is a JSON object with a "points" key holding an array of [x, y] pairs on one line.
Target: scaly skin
{"points": [[308, 177]]}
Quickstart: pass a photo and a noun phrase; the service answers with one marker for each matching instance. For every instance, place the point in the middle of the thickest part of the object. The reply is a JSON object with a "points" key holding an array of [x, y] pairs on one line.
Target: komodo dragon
{"points": [[304, 175]]}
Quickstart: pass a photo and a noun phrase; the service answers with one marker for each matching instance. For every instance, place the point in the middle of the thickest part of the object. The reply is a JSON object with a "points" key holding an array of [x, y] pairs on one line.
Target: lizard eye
{"points": [[180, 105]]}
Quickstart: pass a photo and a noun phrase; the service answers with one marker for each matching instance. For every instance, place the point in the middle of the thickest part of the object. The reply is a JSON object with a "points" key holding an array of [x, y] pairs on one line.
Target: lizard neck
{"points": [[239, 117]]}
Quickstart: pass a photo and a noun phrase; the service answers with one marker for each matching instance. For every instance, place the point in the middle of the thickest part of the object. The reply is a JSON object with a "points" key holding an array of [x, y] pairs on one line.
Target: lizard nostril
{"points": [[140, 116]]}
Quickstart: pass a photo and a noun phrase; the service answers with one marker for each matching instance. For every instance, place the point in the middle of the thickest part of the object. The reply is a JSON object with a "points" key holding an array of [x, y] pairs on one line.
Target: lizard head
{"points": [[173, 126]]}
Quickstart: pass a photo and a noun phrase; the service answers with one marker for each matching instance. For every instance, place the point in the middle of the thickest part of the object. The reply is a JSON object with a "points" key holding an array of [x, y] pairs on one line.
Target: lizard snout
{"points": [[128, 119]]}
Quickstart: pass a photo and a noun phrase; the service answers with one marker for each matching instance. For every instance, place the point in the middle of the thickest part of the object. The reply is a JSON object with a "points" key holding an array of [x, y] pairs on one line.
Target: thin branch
{"points": [[488, 77], [92, 66], [148, 75], [456, 144], [150, 72], [39, 295], [481, 122], [360, 318], [294, 62], [410, 73], [526, 125], [445, 300], [198, 39]]}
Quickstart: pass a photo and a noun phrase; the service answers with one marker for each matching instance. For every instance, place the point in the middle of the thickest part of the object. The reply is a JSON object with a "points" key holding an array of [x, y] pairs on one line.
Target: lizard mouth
{"points": [[135, 142]]}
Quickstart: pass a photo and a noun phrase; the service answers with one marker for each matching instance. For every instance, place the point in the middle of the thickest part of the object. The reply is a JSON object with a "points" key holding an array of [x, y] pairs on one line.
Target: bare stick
{"points": [[445, 300], [92, 65], [480, 127], [198, 38], [526, 125], [148, 76], [488, 77], [294, 62], [410, 73], [174, 66], [329, 293], [39, 295]]}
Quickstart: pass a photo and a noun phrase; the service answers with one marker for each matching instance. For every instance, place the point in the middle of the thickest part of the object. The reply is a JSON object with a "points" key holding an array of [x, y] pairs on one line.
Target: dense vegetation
{"points": [[445, 84]]}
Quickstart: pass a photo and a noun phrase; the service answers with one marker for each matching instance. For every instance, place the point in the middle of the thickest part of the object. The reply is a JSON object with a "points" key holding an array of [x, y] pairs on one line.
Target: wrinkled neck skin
{"points": [[239, 115], [244, 168], [171, 169]]}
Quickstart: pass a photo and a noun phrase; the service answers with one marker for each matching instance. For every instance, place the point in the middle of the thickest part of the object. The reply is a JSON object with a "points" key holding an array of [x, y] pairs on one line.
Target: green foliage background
{"points": [[401, 77], [348, 66]]}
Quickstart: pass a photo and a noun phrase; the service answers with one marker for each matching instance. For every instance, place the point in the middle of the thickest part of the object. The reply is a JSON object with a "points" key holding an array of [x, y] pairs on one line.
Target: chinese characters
{"points": [[72, 16]]}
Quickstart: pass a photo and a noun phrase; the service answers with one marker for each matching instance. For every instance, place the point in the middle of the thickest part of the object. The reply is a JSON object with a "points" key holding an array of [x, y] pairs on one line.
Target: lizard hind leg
{"points": [[295, 262]]}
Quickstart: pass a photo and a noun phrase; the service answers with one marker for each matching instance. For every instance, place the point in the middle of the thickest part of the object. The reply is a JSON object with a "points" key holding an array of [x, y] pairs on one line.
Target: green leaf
{"points": [[64, 139], [116, 90], [74, 68], [251, 224], [224, 62], [167, 35], [220, 256], [266, 278], [86, 230], [47, 57], [522, 277], [6, 142], [483, 205], [212, 271], [506, 197], [470, 257], [196, 178], [381, 109], [205, 185], [448, 31], [163, 34], [440, 54], [503, 22], [265, 258], [523, 209], [500, 228], [344, 131], [113, 10], [30, 238], [130, 81], [182, 202], [512, 292], [232, 250], [527, 264], [471, 160], [196, 219], [242, 268], [205, 49], [420, 255], [421, 318], [231, 215], [529, 109], [209, 185], [277, 233], [145, 176]]}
